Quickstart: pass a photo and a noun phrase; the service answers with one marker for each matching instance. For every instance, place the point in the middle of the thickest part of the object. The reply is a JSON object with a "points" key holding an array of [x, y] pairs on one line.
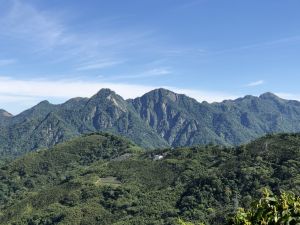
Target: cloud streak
{"points": [[98, 65], [22, 21], [260, 45], [5, 62], [256, 83], [50, 36], [156, 72]]}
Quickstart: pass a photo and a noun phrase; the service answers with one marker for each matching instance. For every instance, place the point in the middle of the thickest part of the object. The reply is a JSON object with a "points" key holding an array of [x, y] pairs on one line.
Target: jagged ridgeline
{"points": [[104, 179], [158, 119]]}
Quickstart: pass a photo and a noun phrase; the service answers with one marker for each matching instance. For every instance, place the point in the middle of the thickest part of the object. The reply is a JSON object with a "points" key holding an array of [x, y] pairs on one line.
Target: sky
{"points": [[207, 49]]}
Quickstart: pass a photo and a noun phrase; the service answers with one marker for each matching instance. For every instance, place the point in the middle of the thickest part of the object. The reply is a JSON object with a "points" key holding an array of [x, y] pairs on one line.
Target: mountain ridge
{"points": [[74, 99], [157, 119]]}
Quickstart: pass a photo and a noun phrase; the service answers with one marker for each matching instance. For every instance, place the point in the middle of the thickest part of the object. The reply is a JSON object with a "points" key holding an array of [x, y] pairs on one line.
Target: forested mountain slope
{"points": [[159, 118], [104, 179]]}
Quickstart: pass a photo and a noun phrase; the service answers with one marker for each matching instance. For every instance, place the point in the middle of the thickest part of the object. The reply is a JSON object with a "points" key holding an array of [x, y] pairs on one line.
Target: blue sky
{"points": [[208, 49]]}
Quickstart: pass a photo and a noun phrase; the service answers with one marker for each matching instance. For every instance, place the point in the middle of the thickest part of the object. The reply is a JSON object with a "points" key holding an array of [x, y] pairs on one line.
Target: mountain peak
{"points": [[106, 96], [44, 103], [163, 93], [4, 113], [104, 92], [268, 95]]}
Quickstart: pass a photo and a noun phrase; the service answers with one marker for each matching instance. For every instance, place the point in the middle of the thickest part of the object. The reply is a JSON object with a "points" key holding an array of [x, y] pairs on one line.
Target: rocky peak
{"points": [[161, 95], [109, 98], [104, 92]]}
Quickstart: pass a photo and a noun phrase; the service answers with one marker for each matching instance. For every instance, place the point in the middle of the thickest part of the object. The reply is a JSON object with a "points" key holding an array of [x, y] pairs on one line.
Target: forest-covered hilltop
{"points": [[105, 179]]}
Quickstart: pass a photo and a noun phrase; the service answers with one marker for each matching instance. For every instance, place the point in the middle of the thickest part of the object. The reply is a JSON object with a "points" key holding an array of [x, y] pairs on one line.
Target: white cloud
{"points": [[5, 62], [256, 83], [18, 90]]}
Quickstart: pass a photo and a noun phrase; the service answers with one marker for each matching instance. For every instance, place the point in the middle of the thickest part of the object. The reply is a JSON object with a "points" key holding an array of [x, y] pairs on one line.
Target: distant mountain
{"points": [[4, 116], [159, 118], [182, 121], [45, 124]]}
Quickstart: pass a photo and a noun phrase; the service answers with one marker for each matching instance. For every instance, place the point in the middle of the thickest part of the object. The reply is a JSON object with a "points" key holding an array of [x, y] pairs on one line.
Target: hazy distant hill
{"points": [[159, 118], [4, 117]]}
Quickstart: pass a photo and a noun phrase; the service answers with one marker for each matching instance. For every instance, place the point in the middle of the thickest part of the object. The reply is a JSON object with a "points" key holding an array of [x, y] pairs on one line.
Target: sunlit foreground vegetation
{"points": [[104, 179], [270, 209]]}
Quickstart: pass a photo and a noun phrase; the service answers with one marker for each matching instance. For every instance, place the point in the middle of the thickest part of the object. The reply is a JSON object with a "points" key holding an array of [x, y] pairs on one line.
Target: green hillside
{"points": [[104, 179]]}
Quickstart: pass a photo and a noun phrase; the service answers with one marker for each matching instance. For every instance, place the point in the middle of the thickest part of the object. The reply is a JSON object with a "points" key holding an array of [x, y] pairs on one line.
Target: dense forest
{"points": [[105, 179]]}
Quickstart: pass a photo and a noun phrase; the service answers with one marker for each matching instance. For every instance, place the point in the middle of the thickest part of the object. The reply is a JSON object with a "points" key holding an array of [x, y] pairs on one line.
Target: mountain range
{"points": [[158, 119]]}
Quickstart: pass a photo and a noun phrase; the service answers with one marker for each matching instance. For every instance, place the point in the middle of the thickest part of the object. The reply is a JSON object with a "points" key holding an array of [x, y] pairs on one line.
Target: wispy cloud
{"points": [[259, 45], [53, 39], [256, 83], [157, 72], [5, 62], [49, 34], [98, 65], [24, 22], [32, 91]]}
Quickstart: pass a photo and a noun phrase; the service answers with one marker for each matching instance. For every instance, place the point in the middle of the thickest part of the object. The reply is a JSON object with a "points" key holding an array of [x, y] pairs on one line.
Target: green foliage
{"points": [[104, 179], [270, 209], [181, 222]]}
